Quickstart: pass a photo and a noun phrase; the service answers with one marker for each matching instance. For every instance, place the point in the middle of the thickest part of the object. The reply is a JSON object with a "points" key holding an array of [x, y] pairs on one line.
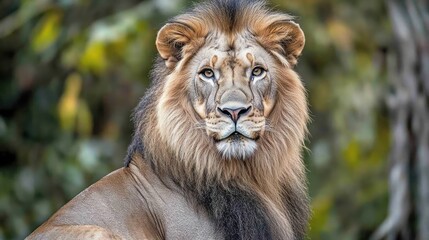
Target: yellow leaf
{"points": [[352, 154], [94, 58], [68, 103], [84, 119], [46, 32]]}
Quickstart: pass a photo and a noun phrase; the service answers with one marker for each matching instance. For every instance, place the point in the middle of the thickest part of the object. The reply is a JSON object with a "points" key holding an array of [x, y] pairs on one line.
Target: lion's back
{"points": [[128, 204]]}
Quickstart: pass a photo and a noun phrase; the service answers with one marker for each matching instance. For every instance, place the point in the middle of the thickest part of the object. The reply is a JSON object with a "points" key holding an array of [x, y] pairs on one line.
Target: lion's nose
{"points": [[234, 113]]}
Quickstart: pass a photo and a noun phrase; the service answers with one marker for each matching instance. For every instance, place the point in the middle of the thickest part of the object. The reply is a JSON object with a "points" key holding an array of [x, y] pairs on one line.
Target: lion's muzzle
{"points": [[235, 112]]}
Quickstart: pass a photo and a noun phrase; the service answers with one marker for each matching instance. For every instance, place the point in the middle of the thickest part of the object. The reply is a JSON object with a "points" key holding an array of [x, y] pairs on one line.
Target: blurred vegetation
{"points": [[71, 72]]}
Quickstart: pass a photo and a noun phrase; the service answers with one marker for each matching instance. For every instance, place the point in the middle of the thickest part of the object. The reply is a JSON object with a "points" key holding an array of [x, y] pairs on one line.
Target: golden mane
{"points": [[168, 138]]}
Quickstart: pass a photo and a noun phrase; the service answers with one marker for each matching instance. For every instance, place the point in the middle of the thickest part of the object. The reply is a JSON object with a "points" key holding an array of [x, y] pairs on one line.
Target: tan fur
{"points": [[180, 149]]}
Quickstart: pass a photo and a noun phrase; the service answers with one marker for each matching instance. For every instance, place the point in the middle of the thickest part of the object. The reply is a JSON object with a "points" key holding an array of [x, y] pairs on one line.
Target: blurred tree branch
{"points": [[408, 104]]}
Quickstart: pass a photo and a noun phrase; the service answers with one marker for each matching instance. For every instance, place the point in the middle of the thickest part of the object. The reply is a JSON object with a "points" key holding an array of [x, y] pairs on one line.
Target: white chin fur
{"points": [[236, 149]]}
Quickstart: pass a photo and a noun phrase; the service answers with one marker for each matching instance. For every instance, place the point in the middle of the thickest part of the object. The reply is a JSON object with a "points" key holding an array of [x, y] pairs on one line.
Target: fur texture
{"points": [[261, 195]]}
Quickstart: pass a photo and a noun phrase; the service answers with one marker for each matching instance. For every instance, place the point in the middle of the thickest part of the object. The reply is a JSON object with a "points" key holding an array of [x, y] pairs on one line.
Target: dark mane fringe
{"points": [[226, 9], [157, 74], [227, 15], [237, 213]]}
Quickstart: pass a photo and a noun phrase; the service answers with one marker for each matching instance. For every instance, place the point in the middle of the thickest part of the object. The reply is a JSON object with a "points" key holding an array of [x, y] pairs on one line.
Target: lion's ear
{"points": [[285, 37], [172, 41]]}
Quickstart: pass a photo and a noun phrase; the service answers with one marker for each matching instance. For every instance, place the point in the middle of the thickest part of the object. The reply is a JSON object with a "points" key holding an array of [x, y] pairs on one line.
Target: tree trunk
{"points": [[408, 72]]}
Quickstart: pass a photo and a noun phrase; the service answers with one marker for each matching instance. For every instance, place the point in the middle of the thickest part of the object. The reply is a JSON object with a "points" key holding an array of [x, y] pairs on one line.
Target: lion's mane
{"points": [[263, 197]]}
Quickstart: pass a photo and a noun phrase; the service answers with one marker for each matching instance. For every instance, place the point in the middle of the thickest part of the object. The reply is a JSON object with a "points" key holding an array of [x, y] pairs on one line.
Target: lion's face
{"points": [[232, 89], [230, 77]]}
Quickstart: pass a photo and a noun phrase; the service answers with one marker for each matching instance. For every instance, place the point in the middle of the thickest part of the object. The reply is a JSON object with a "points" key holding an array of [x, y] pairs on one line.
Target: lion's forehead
{"points": [[224, 42], [222, 50]]}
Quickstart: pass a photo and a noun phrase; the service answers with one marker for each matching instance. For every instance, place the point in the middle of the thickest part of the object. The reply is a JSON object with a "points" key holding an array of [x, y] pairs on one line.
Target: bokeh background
{"points": [[71, 72]]}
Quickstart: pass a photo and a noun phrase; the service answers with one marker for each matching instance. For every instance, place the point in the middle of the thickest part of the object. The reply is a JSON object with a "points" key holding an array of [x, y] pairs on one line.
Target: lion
{"points": [[216, 152]]}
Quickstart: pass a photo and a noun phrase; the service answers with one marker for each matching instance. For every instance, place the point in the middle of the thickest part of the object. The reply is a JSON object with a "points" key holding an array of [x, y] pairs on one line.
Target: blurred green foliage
{"points": [[72, 70]]}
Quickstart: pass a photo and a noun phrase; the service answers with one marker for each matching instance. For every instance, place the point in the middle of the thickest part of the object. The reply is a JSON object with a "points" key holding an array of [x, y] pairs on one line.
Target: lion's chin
{"points": [[236, 147]]}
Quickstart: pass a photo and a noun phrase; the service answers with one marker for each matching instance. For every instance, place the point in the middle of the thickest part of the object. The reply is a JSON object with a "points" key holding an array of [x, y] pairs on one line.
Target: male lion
{"points": [[218, 137]]}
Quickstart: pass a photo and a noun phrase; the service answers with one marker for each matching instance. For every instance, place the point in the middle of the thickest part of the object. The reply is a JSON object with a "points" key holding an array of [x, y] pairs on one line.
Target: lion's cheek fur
{"points": [[176, 123]]}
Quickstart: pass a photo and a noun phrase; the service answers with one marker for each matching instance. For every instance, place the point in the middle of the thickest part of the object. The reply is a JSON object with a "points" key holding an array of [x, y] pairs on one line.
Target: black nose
{"points": [[234, 113]]}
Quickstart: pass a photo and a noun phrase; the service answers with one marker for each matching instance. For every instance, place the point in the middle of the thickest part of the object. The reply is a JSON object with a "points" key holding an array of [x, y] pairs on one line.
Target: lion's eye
{"points": [[207, 73], [258, 71]]}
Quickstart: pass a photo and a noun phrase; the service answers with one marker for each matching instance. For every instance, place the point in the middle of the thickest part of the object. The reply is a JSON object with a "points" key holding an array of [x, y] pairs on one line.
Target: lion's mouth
{"points": [[236, 137]]}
